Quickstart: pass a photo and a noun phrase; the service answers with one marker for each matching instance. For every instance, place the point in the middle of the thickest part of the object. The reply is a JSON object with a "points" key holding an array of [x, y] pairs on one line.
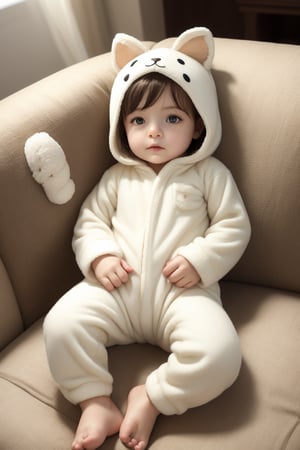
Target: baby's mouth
{"points": [[155, 147]]}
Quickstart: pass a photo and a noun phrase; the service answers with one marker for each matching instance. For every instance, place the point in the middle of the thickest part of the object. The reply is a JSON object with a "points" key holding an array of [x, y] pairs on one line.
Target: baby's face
{"points": [[160, 132]]}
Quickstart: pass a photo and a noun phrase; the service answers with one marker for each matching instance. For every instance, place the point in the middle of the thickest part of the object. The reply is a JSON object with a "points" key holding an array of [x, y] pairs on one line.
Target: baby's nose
{"points": [[154, 131]]}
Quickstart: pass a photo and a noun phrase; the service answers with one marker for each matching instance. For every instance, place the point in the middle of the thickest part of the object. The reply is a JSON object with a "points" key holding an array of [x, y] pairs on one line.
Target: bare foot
{"points": [[100, 418], [139, 419]]}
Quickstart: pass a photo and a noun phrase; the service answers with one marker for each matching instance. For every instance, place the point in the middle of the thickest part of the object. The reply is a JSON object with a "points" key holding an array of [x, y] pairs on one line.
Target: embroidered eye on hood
{"points": [[188, 63]]}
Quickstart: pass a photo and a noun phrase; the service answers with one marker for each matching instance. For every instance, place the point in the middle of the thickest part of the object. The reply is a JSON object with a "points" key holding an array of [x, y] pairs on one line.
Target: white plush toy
{"points": [[49, 167]]}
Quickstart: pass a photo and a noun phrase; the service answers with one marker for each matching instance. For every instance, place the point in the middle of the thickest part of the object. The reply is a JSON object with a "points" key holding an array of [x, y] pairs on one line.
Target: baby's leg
{"points": [[100, 418], [205, 354], [77, 331], [139, 420]]}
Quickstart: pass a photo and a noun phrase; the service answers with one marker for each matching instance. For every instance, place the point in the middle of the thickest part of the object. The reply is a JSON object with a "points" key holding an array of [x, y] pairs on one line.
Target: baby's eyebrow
{"points": [[135, 111], [172, 107]]}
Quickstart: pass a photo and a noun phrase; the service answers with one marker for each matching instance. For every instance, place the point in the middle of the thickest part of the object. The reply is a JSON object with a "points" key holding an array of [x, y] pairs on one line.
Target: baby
{"points": [[153, 238]]}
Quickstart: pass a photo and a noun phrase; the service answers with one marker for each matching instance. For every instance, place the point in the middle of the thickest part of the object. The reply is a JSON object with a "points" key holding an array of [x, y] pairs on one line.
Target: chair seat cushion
{"points": [[260, 411]]}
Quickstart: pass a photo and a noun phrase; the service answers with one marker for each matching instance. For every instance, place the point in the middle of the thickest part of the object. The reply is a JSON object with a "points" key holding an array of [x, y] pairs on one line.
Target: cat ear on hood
{"points": [[198, 44], [125, 48]]}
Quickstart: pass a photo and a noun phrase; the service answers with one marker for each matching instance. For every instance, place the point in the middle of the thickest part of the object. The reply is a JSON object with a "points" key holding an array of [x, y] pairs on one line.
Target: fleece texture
{"points": [[193, 208]]}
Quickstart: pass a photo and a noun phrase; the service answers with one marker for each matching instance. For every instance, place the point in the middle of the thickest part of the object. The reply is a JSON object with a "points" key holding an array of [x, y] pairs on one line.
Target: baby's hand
{"points": [[179, 271], [111, 271]]}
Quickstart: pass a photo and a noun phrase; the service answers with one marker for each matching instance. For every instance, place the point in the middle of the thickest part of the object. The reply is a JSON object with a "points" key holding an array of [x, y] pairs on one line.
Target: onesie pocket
{"points": [[188, 197]]}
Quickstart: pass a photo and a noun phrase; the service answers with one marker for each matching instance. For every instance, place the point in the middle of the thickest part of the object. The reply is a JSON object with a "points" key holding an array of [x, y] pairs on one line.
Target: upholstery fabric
{"points": [[259, 96]]}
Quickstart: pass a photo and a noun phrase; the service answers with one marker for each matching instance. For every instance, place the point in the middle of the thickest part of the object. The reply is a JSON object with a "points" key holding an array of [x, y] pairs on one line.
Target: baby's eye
{"points": [[173, 119], [138, 121]]}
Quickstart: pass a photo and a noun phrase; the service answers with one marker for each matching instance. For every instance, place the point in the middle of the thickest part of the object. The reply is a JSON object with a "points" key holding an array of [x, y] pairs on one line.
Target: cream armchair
{"points": [[259, 92]]}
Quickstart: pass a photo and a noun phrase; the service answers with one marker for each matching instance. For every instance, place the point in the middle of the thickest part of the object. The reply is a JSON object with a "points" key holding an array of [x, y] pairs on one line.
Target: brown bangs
{"points": [[149, 88]]}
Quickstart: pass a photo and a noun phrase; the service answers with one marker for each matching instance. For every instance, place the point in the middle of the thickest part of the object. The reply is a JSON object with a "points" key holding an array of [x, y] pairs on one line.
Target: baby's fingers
{"points": [[119, 276], [126, 266], [106, 283], [169, 268]]}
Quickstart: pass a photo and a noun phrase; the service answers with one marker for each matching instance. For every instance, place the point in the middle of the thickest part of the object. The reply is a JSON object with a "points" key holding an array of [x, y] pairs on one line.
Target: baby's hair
{"points": [[149, 88]]}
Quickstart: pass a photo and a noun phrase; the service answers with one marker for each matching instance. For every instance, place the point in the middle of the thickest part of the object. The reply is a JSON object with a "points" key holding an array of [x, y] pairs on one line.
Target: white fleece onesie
{"points": [[191, 208]]}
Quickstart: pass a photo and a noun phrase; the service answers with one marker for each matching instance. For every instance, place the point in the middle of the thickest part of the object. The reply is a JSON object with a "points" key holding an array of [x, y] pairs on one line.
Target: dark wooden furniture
{"points": [[277, 20]]}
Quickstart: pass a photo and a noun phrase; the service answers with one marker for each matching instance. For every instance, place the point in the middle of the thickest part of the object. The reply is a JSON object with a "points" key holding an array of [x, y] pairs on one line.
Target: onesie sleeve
{"points": [[228, 233], [93, 236]]}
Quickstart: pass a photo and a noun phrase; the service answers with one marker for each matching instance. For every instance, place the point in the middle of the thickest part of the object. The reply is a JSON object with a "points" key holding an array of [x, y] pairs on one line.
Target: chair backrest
{"points": [[259, 96], [35, 234]]}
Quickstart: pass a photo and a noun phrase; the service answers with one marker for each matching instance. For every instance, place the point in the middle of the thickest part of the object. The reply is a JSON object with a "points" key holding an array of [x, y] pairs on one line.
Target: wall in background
{"points": [[27, 49], [143, 19]]}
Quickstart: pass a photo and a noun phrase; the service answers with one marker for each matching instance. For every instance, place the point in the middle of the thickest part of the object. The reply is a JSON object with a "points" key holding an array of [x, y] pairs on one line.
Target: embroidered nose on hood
{"points": [[188, 63], [155, 63]]}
